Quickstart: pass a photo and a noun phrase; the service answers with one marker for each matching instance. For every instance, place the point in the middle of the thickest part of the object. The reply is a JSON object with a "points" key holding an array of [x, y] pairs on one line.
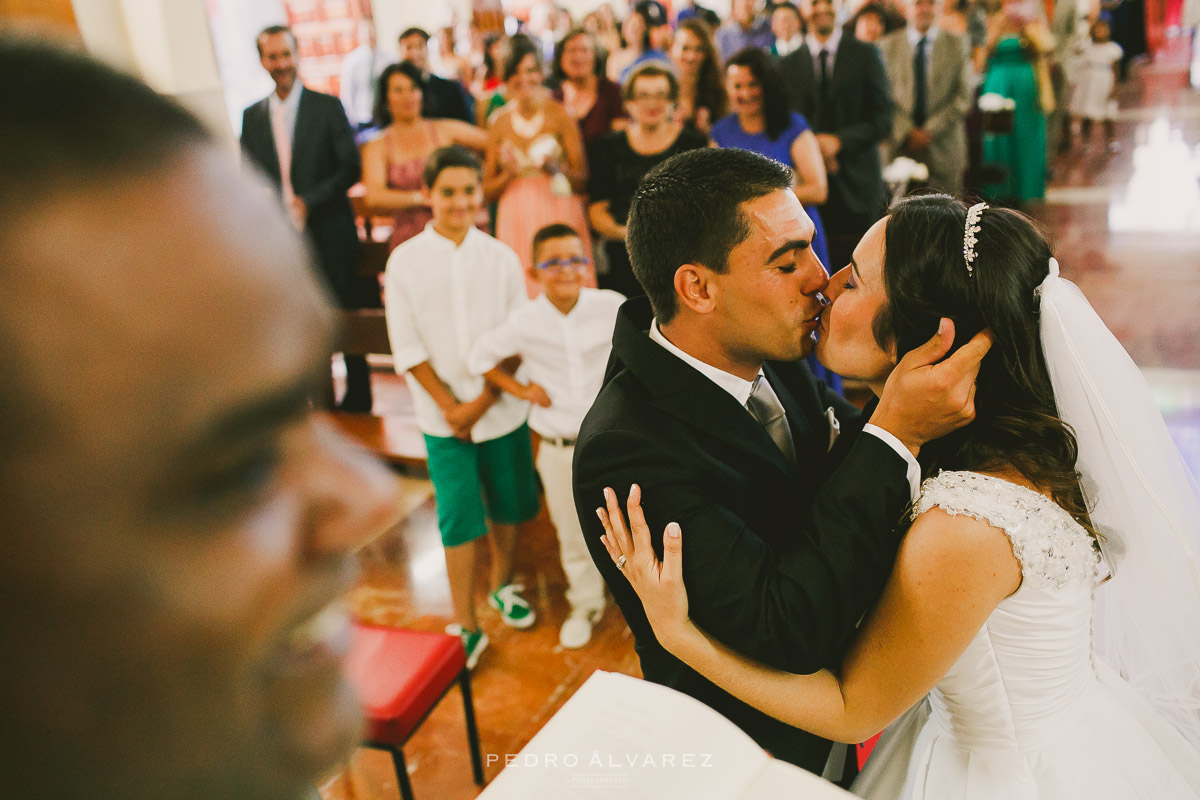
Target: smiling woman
{"points": [[394, 161], [535, 162]]}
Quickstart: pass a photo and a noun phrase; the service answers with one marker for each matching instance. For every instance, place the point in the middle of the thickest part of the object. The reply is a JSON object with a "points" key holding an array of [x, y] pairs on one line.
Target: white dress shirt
{"points": [[439, 300], [283, 128], [915, 36], [563, 353], [740, 389], [830, 46]]}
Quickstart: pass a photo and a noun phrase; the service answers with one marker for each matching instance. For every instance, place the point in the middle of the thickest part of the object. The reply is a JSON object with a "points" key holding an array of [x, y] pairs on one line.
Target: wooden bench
{"points": [[396, 440]]}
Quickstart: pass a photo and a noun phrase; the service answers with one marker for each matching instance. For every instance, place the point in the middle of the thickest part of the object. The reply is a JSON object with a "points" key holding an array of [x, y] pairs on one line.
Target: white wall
{"points": [[392, 17], [166, 42], [234, 26]]}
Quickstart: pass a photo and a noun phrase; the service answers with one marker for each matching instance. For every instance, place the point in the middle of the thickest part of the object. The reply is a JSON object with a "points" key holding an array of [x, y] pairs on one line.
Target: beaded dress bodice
{"points": [[1031, 663], [1027, 712]]}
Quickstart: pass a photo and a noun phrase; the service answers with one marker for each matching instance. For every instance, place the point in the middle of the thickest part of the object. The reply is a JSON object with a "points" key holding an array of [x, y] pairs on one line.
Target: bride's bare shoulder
{"points": [[942, 540]]}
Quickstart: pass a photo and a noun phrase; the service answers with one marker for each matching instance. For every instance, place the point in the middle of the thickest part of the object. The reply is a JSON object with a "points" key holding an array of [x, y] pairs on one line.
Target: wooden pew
{"points": [[396, 440]]}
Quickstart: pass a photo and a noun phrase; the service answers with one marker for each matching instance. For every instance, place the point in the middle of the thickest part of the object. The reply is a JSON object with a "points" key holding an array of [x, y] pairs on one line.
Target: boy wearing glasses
{"points": [[444, 288], [563, 338]]}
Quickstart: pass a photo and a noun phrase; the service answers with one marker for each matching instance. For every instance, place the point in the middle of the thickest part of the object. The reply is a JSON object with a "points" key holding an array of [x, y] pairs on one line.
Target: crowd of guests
{"points": [[872, 81], [510, 174]]}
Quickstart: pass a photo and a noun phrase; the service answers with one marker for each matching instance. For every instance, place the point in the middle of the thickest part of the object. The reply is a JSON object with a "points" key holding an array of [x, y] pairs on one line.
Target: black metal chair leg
{"points": [[464, 682], [406, 792]]}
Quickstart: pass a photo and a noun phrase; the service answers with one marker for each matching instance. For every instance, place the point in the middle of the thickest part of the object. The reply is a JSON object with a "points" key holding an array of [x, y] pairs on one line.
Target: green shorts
{"points": [[467, 476]]}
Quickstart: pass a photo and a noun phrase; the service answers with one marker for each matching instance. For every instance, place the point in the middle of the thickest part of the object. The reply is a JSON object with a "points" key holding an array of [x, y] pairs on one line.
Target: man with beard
{"points": [[304, 145]]}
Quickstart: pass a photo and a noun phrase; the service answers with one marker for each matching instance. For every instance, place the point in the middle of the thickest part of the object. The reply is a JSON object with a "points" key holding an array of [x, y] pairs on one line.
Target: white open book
{"points": [[624, 738]]}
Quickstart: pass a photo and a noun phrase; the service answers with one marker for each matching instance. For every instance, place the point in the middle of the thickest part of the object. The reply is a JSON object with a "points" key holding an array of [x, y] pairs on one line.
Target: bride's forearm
{"points": [[814, 703]]}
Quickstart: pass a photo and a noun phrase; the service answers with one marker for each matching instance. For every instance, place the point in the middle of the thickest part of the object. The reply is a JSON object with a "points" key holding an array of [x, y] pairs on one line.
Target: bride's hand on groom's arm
{"points": [[926, 397], [659, 585]]}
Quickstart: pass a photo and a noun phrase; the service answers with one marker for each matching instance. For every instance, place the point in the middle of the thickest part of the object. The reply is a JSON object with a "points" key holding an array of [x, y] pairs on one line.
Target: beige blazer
{"points": [[948, 100]]}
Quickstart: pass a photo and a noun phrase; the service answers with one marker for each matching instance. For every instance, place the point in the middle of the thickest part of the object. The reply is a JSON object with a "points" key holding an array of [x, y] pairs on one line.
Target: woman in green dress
{"points": [[1015, 70]]}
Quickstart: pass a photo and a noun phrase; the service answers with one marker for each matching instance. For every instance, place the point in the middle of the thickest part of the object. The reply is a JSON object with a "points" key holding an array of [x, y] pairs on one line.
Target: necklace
{"points": [[527, 128]]}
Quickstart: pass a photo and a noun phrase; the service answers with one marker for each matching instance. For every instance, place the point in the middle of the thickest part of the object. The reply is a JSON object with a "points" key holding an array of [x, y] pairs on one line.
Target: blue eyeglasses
{"points": [[557, 265]]}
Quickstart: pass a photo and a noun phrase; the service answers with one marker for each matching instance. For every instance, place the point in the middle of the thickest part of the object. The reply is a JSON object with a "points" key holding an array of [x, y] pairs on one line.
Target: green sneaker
{"points": [[474, 642], [513, 609]]}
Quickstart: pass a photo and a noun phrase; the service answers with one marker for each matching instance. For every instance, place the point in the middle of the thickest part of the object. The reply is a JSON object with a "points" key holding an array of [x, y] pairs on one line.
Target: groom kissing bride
{"points": [[827, 589]]}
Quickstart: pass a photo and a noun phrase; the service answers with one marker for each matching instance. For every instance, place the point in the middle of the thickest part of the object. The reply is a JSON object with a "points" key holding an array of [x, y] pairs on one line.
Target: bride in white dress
{"points": [[1064, 495]]}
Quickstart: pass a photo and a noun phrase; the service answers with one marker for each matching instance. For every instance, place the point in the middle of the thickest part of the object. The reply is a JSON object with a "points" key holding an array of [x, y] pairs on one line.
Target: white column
{"points": [[167, 43]]}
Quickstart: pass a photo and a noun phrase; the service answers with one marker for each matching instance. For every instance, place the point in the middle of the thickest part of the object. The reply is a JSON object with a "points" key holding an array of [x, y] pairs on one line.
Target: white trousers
{"points": [[585, 587]]}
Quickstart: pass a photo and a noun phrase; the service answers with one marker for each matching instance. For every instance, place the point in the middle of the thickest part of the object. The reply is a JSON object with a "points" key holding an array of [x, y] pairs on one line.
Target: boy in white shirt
{"points": [[444, 287], [564, 338]]}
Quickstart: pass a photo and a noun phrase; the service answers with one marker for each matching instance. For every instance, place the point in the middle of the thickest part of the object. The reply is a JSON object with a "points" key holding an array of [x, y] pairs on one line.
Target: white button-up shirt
{"points": [[439, 300], [830, 46], [740, 389], [283, 128], [915, 36], [564, 353]]}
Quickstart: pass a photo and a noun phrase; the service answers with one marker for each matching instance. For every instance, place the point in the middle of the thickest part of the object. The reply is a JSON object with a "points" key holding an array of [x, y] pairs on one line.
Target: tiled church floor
{"points": [[1126, 228]]}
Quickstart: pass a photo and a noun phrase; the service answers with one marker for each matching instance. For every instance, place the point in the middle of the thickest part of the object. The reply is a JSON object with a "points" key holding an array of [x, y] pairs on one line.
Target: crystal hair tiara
{"points": [[973, 216]]}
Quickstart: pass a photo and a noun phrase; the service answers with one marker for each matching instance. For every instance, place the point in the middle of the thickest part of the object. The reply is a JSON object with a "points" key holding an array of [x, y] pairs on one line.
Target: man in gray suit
{"points": [[930, 73]]}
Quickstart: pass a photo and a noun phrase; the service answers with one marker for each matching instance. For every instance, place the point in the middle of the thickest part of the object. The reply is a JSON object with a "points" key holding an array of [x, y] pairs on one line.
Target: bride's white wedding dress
{"points": [[1029, 711]]}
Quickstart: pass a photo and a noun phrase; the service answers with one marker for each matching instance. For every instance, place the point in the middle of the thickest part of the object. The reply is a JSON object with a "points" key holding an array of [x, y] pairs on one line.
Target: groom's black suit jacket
{"points": [[780, 562]]}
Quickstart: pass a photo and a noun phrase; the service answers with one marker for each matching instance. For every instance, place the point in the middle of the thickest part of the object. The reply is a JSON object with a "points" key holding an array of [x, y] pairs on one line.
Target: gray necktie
{"points": [[765, 408]]}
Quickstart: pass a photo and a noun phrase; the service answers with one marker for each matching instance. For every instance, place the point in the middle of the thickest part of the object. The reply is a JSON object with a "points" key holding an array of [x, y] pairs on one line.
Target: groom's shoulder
{"points": [[623, 403]]}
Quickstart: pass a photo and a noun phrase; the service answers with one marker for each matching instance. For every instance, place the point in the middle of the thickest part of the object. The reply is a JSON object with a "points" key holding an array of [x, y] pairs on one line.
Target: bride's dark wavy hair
{"points": [[925, 277]]}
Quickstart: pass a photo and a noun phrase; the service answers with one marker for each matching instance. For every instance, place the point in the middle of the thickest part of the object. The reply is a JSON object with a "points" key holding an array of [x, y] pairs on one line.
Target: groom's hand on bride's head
{"points": [[928, 394]]}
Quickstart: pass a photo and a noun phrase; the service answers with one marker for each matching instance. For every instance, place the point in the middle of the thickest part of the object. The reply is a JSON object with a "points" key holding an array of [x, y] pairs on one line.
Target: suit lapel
{"points": [[271, 155], [941, 68], [902, 73], [807, 77], [681, 391], [840, 65], [305, 130]]}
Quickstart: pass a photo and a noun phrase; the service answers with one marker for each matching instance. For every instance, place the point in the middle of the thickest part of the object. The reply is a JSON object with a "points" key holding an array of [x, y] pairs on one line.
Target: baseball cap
{"points": [[653, 12]]}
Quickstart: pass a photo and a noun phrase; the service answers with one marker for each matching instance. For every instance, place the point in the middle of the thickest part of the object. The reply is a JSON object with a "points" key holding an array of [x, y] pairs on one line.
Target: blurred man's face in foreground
{"points": [[179, 522]]}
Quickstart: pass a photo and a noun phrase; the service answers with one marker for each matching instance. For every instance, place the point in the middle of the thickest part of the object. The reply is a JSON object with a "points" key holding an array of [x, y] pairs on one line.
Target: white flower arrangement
{"points": [[904, 170], [992, 102]]}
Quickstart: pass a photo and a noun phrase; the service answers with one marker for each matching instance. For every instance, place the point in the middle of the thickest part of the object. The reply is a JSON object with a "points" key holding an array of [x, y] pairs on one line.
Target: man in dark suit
{"points": [[442, 98], [838, 83], [789, 507], [303, 143]]}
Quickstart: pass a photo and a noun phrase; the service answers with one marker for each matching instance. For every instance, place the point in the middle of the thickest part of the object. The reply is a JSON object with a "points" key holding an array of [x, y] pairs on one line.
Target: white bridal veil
{"points": [[1144, 501]]}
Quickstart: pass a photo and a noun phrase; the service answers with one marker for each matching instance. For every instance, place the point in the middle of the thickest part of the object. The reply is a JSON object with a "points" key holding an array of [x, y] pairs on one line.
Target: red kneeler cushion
{"points": [[864, 749], [399, 675]]}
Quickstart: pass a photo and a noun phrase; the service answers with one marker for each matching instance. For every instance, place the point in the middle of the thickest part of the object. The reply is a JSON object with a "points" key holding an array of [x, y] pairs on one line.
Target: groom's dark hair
{"points": [[687, 210]]}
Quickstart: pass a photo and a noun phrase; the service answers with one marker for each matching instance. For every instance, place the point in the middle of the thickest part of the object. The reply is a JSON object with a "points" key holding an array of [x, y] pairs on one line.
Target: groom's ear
{"points": [[694, 288]]}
